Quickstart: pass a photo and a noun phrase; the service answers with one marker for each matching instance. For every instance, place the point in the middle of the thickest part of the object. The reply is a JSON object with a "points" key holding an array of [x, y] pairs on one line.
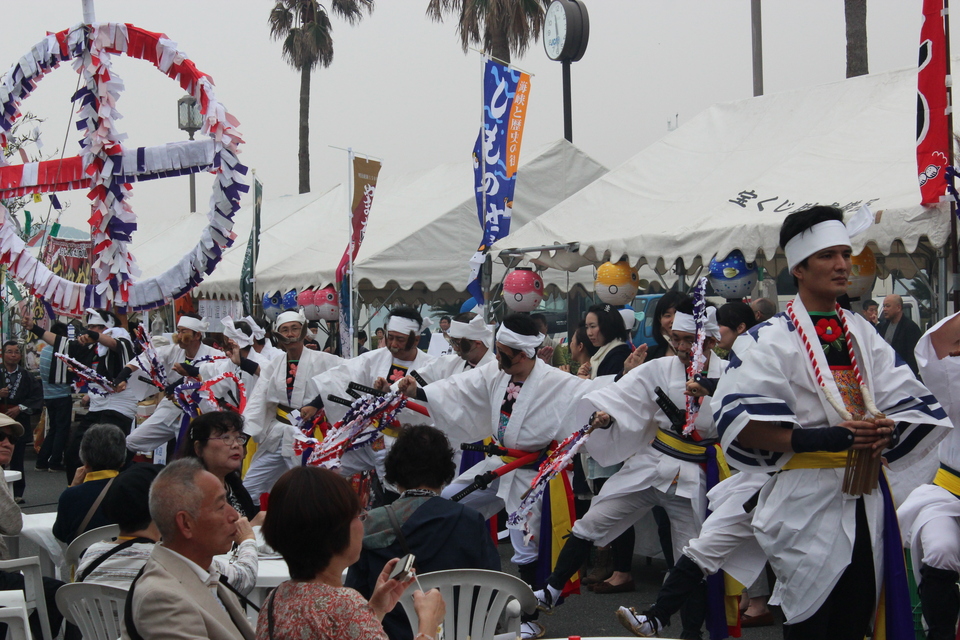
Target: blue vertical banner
{"points": [[496, 156]]}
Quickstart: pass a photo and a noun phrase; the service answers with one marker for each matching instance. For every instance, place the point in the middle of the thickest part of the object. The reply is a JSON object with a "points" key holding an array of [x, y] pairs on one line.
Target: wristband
{"points": [[316, 403], [93, 335], [192, 371], [172, 387], [37, 331], [710, 384], [420, 395], [123, 376], [832, 439], [248, 366]]}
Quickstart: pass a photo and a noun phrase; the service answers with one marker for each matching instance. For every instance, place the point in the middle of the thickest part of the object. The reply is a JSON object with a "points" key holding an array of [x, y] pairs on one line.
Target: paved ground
{"points": [[585, 615]]}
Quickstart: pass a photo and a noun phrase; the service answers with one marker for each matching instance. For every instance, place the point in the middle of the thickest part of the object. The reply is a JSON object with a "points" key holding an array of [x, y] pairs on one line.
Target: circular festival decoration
{"points": [[733, 277], [289, 300], [272, 305], [522, 290], [328, 307], [617, 283], [863, 274], [306, 301], [108, 169]]}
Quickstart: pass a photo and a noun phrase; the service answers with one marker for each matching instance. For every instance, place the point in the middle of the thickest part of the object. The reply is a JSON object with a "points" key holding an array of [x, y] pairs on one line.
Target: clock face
{"points": [[555, 29]]}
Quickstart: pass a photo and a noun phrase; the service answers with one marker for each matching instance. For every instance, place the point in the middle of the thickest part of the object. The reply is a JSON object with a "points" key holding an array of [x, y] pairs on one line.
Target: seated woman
{"points": [[116, 563], [439, 533], [316, 523], [218, 441], [103, 451]]}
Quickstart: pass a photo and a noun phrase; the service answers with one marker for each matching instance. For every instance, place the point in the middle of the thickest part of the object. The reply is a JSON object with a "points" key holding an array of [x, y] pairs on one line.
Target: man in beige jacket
{"points": [[179, 594]]}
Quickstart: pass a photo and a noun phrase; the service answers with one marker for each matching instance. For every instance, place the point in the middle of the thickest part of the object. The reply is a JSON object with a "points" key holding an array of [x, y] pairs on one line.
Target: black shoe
{"points": [[41, 468], [54, 469]]}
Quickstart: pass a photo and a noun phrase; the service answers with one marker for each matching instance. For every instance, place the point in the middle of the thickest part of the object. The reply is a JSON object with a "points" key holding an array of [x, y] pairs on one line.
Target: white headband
{"points": [[258, 332], [476, 329], [193, 324], [527, 344], [406, 326], [94, 317], [230, 331], [830, 233], [290, 316], [688, 324]]}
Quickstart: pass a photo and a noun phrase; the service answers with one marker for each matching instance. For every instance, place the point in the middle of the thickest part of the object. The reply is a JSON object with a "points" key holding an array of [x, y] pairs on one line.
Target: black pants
{"points": [[848, 610], [58, 430], [71, 457], [622, 546]]}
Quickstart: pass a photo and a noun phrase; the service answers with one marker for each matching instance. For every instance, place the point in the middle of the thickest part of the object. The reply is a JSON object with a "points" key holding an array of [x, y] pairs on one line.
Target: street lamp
{"points": [[190, 120]]}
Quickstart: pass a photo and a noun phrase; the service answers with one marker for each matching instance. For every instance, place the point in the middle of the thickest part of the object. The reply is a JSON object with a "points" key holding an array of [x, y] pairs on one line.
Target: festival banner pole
{"points": [[352, 349]]}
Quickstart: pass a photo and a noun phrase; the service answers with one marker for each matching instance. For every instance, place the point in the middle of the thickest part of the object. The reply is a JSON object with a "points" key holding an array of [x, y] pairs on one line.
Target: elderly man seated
{"points": [[441, 534], [103, 451], [179, 594]]}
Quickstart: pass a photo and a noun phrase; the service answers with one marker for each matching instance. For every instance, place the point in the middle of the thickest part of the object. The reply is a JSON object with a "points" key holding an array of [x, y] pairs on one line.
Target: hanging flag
{"points": [[496, 156], [365, 174], [933, 135], [248, 271]]}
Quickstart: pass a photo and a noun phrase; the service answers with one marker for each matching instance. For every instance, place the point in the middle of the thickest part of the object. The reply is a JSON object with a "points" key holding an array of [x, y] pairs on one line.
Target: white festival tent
{"points": [[422, 230], [726, 179]]}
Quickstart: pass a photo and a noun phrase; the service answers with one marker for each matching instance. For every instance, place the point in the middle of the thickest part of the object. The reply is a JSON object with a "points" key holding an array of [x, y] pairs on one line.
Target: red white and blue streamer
{"points": [[697, 358], [96, 383]]}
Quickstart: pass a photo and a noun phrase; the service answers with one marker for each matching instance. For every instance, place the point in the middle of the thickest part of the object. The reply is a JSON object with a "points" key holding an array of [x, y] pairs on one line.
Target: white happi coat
{"points": [[164, 423], [633, 404], [216, 368], [930, 501], [467, 408], [802, 521], [260, 416], [450, 365]]}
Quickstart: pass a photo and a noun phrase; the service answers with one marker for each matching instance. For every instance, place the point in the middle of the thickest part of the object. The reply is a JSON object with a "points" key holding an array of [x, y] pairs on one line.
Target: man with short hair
{"points": [[177, 361], [899, 331], [796, 398], [763, 309], [21, 396], [179, 594], [104, 346], [871, 311], [404, 325], [285, 384]]}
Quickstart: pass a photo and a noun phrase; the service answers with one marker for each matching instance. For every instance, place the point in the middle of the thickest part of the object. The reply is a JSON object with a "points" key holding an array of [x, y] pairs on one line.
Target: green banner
{"points": [[248, 272]]}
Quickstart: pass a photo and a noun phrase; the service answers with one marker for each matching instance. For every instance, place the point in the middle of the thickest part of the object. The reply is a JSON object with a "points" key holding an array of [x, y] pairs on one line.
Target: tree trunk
{"points": [[499, 47], [855, 13], [304, 154]]}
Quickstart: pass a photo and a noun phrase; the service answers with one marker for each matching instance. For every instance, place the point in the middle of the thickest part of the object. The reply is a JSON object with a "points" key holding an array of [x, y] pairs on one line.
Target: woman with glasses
{"points": [[218, 441]]}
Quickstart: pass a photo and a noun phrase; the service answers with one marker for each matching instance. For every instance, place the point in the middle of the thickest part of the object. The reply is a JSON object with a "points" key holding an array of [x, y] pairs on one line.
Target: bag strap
{"points": [[93, 508], [396, 527], [128, 609], [126, 544], [242, 598]]}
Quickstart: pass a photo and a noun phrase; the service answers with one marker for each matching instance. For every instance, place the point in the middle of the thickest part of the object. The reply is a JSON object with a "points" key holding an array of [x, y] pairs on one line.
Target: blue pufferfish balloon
{"points": [[733, 277], [272, 305]]}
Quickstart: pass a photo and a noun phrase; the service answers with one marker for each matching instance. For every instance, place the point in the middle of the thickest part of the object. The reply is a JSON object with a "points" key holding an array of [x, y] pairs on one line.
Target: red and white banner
{"points": [[933, 130]]}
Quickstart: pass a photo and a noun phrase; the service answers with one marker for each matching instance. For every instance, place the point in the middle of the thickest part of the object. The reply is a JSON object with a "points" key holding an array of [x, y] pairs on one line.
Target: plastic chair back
{"points": [[13, 612], [476, 600], [33, 595], [83, 541], [96, 608]]}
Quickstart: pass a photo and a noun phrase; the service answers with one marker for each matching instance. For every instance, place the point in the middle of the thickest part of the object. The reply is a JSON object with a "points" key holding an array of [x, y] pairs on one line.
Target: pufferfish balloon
{"points": [[328, 307], [272, 303], [289, 302], [616, 283], [733, 277], [863, 274], [307, 303], [522, 290]]}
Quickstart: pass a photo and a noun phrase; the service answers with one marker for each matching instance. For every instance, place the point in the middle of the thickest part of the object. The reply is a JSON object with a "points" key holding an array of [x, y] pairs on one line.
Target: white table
{"points": [[38, 527]]}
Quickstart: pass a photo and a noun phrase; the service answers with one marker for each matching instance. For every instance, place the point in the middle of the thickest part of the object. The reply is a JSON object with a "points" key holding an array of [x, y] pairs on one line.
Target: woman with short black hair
{"points": [[734, 318], [315, 522]]}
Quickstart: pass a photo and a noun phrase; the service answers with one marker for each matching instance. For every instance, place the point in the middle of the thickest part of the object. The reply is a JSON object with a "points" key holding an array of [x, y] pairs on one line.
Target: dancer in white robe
{"points": [[930, 516]]}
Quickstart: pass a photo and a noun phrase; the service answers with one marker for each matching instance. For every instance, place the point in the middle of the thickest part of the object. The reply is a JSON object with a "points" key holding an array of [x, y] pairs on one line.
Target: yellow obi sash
{"points": [[949, 479], [283, 414], [817, 460], [390, 431], [682, 449]]}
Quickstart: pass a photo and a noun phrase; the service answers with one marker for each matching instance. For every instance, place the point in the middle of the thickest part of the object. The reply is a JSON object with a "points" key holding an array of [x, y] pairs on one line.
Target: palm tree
{"points": [[304, 26], [855, 15], [500, 27]]}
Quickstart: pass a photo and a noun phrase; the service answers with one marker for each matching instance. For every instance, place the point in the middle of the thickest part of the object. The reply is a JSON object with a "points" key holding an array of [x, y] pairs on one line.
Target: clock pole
{"points": [[567, 103]]}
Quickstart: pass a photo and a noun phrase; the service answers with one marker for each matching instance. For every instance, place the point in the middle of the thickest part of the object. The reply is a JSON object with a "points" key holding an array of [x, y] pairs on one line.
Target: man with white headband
{"points": [[241, 359], [524, 404], [285, 387], [802, 390], [262, 344], [106, 347], [662, 466], [930, 516], [404, 325], [177, 360]]}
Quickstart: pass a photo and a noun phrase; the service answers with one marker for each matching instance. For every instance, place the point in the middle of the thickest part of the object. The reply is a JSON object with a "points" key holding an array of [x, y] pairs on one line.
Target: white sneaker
{"points": [[531, 630], [545, 601], [638, 624]]}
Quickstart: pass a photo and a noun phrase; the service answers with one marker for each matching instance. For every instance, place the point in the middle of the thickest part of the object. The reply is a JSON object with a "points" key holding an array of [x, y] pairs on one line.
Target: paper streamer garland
{"points": [[107, 169], [158, 374], [96, 384], [697, 358]]}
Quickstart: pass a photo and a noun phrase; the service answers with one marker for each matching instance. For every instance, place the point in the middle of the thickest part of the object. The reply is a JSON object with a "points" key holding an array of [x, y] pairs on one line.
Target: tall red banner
{"points": [[933, 129]]}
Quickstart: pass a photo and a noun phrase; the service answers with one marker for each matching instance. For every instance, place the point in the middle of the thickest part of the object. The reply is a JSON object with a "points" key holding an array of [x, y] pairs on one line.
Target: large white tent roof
{"points": [[844, 143]]}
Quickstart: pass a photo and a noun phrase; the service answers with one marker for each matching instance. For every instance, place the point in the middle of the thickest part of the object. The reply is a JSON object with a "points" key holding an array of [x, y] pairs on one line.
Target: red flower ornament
{"points": [[828, 329]]}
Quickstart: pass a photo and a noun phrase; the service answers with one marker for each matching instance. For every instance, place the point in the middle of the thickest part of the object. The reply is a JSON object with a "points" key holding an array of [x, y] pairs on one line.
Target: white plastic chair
{"points": [[83, 541], [490, 596], [32, 593], [96, 608], [13, 613]]}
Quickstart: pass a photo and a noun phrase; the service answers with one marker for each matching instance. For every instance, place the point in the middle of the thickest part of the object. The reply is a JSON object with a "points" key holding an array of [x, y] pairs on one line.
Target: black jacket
{"points": [[612, 364], [905, 339]]}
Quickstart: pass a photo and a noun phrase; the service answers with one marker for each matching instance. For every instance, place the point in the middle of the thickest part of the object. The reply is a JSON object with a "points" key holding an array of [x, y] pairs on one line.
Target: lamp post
{"points": [[190, 120]]}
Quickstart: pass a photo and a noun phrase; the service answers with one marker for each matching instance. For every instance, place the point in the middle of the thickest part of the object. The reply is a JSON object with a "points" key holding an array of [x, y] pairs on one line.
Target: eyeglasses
{"points": [[362, 516], [8, 436], [230, 439]]}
